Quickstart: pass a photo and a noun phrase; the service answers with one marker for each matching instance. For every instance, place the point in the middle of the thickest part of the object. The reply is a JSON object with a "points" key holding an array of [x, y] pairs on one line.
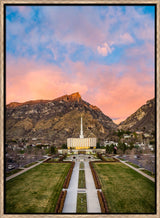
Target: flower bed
{"points": [[107, 159], [46, 161], [60, 203], [102, 201], [55, 158], [95, 177], [68, 177]]}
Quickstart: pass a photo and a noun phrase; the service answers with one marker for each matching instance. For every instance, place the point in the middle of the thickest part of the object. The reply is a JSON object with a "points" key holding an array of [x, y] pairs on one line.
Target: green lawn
{"points": [[81, 203], [37, 190], [148, 173], [125, 190], [30, 164], [132, 164], [81, 181], [109, 158], [81, 165], [13, 172], [121, 159]]}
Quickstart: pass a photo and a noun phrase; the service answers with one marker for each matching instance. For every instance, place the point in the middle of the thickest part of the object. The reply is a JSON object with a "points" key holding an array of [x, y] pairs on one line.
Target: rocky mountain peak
{"points": [[143, 119], [53, 121], [73, 97]]}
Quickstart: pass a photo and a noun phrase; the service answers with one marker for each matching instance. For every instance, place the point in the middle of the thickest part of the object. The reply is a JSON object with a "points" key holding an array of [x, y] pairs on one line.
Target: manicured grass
{"points": [[13, 172], [81, 203], [41, 159], [53, 160], [132, 164], [108, 158], [125, 190], [29, 165], [148, 173], [37, 190], [81, 181], [122, 159], [81, 165]]}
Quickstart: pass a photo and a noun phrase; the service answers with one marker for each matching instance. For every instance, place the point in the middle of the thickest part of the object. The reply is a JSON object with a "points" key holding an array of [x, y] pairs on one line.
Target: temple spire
{"points": [[81, 132]]}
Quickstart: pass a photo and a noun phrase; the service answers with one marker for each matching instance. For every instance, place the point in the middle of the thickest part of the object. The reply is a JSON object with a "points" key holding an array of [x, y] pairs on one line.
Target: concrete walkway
{"points": [[138, 170], [93, 205], [70, 203], [25, 169]]}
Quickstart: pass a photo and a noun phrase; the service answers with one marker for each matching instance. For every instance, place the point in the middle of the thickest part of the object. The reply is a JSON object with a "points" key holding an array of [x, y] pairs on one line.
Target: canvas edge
{"points": [[157, 2]]}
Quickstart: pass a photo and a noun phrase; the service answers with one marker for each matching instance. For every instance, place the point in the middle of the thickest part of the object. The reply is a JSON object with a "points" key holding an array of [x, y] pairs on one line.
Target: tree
{"points": [[131, 146], [120, 133], [52, 150], [98, 145], [64, 146], [122, 147], [110, 148]]}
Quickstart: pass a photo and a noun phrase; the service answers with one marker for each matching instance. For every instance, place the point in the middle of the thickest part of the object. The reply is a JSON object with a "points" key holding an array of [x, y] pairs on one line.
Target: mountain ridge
{"points": [[143, 119], [55, 120]]}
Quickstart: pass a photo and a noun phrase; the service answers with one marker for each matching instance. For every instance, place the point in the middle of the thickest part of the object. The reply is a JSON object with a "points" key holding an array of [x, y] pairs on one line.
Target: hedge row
{"points": [[68, 177], [46, 160], [62, 157], [103, 159], [102, 201], [95, 177], [60, 203], [50, 160]]}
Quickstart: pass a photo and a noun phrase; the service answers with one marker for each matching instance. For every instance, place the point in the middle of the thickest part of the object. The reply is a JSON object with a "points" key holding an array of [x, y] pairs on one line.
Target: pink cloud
{"points": [[126, 38], [101, 85], [30, 80], [104, 49], [115, 96]]}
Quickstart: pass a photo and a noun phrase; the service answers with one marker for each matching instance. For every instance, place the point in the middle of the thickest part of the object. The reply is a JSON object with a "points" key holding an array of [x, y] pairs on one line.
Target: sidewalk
{"points": [[93, 205], [70, 203], [22, 171], [138, 170]]}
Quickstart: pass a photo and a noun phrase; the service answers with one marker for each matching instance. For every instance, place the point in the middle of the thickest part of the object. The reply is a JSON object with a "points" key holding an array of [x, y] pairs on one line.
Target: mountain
{"points": [[142, 120], [53, 121]]}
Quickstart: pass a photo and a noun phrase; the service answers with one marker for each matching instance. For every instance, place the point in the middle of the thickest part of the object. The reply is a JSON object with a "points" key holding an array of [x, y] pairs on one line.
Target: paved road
{"points": [[22, 171], [71, 197]]}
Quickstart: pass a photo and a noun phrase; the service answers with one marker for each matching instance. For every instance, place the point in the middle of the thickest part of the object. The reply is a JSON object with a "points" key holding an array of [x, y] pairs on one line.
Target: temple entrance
{"points": [[81, 152]]}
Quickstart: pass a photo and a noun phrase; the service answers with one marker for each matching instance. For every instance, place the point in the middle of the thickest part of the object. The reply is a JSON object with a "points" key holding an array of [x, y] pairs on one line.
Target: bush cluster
{"points": [[47, 160], [95, 177], [62, 157], [102, 201], [103, 159], [68, 177], [60, 202], [50, 160]]}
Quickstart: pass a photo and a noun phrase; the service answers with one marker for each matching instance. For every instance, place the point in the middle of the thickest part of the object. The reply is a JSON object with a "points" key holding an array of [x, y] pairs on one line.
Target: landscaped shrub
{"points": [[95, 177], [62, 157], [52, 159], [103, 203], [68, 177], [60, 202], [100, 156], [46, 160]]}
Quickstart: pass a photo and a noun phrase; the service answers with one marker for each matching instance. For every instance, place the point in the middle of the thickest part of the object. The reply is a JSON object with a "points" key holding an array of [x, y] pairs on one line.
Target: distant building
{"points": [[106, 143], [81, 142], [125, 136]]}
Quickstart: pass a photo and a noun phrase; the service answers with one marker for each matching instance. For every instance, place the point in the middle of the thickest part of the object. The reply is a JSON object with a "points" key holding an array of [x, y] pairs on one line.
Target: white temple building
{"points": [[81, 142]]}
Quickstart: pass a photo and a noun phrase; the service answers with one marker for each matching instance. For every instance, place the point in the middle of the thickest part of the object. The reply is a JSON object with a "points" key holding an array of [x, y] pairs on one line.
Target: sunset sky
{"points": [[106, 53]]}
